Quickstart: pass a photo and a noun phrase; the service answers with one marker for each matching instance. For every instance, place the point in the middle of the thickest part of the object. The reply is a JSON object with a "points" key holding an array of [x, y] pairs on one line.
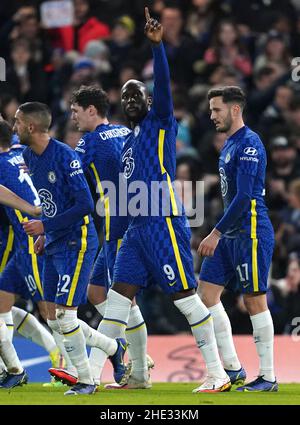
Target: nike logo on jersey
{"points": [[172, 283]]}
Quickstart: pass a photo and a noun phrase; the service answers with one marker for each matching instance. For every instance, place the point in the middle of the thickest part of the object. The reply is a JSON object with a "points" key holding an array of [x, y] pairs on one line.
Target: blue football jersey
{"points": [[18, 181], [100, 154], [57, 174], [149, 156], [244, 154]]}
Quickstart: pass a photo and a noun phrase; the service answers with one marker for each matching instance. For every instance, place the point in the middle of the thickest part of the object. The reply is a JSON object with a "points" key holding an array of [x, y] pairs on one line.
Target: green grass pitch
{"points": [[160, 394]]}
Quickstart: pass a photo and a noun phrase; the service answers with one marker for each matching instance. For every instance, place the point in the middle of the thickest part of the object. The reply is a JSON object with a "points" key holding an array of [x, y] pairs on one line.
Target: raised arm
{"points": [[162, 98], [10, 199]]}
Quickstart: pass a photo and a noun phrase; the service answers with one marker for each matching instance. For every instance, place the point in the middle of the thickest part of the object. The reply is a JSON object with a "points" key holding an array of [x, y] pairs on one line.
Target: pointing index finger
{"points": [[147, 14]]}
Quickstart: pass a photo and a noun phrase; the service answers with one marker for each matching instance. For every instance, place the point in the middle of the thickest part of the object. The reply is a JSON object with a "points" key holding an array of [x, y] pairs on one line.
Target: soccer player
{"points": [[67, 233], [19, 279], [21, 274], [100, 152], [239, 249], [158, 247]]}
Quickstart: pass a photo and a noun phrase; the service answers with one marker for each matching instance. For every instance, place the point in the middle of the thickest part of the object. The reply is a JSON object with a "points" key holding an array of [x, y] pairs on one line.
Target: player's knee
{"points": [[127, 291], [43, 311], [255, 304], [208, 296], [7, 300], [206, 299], [96, 294]]}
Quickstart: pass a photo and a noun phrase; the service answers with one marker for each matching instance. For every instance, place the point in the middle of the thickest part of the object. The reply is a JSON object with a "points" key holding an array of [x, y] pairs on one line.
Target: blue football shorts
{"points": [[240, 264], [157, 252], [23, 275], [102, 274], [66, 276]]}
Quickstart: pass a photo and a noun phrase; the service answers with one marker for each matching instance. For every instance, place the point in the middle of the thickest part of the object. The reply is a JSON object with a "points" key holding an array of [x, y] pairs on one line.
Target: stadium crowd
{"points": [[208, 43]]}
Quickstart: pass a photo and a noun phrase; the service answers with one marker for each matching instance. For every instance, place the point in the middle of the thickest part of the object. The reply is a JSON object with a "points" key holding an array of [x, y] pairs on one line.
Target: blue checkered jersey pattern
{"points": [[100, 154], [18, 181], [57, 175], [243, 157], [149, 154]]}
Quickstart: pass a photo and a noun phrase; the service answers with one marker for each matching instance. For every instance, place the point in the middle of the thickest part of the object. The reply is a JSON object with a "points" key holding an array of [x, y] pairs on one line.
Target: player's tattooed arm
{"points": [[10, 199]]}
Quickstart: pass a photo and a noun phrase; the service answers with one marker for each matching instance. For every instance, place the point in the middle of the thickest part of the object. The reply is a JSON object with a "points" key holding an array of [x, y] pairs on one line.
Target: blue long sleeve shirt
{"points": [[242, 167], [149, 154], [65, 196]]}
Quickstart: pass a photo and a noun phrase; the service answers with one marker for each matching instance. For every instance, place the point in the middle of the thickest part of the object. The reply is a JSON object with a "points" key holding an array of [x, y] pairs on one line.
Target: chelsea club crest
{"points": [[227, 159], [51, 177]]}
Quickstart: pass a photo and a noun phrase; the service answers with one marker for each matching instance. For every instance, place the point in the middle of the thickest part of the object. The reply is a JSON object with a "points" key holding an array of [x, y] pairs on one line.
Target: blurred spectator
{"points": [[182, 51], [290, 217], [8, 107], [86, 27], [185, 121], [188, 172], [98, 53], [275, 50], [283, 168], [287, 290], [292, 304], [188, 175], [266, 81], [9, 31], [277, 114], [25, 78], [209, 153], [227, 49], [71, 135], [128, 71], [83, 70], [25, 25], [294, 115], [121, 42], [203, 18], [61, 111], [258, 15]]}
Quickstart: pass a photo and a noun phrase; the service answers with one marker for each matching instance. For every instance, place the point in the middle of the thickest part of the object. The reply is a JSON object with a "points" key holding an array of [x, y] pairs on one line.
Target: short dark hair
{"points": [[40, 112], [229, 94], [92, 95], [5, 134]]}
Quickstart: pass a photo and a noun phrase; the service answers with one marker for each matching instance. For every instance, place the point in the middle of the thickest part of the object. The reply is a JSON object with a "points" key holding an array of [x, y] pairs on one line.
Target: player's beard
{"points": [[138, 114], [227, 124], [24, 138]]}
